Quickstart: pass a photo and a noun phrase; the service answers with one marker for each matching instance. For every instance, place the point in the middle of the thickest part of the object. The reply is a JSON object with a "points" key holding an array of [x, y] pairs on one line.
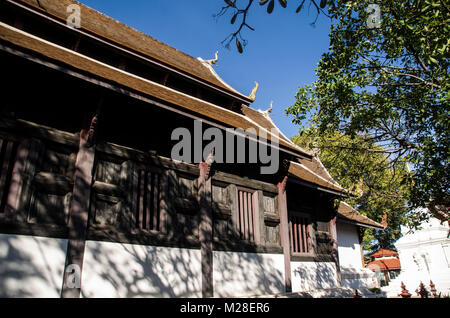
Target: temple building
{"points": [[93, 202], [425, 256], [386, 264]]}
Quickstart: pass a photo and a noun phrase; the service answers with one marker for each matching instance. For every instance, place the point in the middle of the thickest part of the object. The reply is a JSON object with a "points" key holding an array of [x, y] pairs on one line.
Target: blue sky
{"points": [[282, 53]]}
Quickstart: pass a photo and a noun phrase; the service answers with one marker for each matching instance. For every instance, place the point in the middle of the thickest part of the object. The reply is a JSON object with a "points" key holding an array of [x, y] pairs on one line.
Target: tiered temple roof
{"points": [[305, 167]]}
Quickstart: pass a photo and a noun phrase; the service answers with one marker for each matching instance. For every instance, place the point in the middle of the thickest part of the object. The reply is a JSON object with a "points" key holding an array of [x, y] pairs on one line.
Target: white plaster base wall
{"points": [[124, 270], [308, 276], [247, 274], [358, 278], [349, 249], [31, 266]]}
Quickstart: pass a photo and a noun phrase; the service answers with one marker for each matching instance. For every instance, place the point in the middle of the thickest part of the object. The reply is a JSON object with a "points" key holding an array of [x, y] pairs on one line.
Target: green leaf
{"points": [[230, 3], [433, 60], [300, 7], [323, 3], [283, 3], [270, 6], [233, 19], [263, 2], [239, 46]]}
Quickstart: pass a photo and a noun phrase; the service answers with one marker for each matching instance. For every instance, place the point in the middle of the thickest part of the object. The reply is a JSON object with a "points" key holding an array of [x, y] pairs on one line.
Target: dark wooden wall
{"points": [[319, 206]]}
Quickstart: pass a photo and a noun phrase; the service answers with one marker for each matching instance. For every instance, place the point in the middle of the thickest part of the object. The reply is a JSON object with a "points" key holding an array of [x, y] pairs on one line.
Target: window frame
{"points": [[141, 208], [310, 242], [255, 210]]}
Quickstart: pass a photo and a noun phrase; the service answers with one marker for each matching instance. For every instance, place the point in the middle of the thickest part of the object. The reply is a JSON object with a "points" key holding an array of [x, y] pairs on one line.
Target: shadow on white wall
{"points": [[31, 266]]}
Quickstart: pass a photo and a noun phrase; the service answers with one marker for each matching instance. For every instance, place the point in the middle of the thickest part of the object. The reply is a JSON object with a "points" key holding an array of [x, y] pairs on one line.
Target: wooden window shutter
{"points": [[150, 213], [300, 233], [247, 218]]}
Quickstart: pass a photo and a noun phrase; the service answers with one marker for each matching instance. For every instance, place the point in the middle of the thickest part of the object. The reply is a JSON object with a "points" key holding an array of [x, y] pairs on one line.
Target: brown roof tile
{"points": [[267, 123], [110, 29], [302, 172], [312, 170], [147, 87], [384, 264], [346, 212], [383, 253]]}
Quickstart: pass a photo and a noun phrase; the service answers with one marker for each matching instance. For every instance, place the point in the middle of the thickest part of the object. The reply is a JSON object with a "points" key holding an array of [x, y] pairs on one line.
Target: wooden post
{"points": [[334, 252], [206, 225], [164, 79], [284, 232], [79, 211]]}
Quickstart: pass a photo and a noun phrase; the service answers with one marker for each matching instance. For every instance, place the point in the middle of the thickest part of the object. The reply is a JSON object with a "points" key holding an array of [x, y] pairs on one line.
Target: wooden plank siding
{"points": [[7, 158]]}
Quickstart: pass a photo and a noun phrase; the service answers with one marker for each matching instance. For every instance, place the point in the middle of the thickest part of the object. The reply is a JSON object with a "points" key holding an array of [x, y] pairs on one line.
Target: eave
{"points": [[123, 80]]}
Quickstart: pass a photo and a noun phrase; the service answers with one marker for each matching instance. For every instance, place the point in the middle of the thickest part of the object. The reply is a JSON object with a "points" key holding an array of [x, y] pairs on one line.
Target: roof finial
{"points": [[268, 111], [213, 61], [253, 93]]}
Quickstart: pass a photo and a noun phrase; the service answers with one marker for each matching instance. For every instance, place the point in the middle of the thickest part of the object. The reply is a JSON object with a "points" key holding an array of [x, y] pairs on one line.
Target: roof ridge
{"points": [[288, 140], [213, 71], [319, 176], [357, 213], [119, 33]]}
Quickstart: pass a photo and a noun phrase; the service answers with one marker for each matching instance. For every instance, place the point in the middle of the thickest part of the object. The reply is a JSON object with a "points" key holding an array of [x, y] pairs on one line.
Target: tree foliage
{"points": [[238, 10], [362, 167], [389, 86], [386, 83]]}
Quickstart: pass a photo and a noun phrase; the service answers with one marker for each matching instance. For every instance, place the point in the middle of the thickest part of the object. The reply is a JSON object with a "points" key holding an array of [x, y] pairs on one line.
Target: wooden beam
{"points": [[244, 182], [76, 44], [199, 93], [164, 79], [206, 227], [123, 63]]}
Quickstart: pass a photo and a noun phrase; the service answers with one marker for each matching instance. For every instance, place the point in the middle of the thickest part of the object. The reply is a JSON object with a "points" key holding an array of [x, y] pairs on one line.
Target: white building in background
{"points": [[424, 255]]}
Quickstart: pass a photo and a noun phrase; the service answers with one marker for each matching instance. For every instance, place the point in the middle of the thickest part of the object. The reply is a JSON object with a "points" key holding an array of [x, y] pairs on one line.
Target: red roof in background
{"points": [[383, 253], [384, 264]]}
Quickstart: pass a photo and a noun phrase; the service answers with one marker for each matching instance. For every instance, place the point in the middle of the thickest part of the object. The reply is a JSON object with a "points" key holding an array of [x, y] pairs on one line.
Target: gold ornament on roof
{"points": [[213, 61], [253, 93], [268, 111]]}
